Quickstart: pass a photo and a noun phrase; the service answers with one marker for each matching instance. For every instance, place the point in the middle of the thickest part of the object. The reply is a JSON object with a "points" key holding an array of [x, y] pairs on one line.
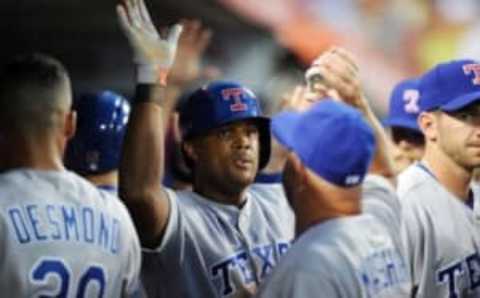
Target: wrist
{"points": [[154, 93], [151, 74]]}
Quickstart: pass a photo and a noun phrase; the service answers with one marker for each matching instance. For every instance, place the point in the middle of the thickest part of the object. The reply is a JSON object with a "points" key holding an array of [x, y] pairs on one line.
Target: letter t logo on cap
{"points": [[236, 94]]}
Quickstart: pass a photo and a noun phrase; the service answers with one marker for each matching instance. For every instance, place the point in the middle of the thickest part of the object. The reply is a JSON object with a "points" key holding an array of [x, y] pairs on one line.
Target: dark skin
{"points": [[226, 160]]}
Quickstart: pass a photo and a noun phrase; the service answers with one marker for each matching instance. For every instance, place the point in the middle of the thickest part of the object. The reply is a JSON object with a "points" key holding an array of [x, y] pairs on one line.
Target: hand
{"points": [[300, 99], [153, 55], [336, 69], [191, 46]]}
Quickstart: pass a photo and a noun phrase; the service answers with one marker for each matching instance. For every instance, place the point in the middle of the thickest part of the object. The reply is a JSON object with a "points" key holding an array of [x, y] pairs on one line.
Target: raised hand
{"points": [[152, 54], [302, 98], [336, 69], [191, 46]]}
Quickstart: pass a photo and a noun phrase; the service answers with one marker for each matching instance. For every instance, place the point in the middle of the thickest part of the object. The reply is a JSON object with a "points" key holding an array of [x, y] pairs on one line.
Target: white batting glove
{"points": [[152, 55]]}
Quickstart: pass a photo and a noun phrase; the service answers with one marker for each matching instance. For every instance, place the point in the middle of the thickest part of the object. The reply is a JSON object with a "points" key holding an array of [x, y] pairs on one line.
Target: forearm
{"points": [[142, 167], [382, 163], [142, 164]]}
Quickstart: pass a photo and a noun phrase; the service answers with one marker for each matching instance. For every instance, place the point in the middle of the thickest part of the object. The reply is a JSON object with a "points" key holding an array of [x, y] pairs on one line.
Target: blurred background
{"points": [[266, 44]]}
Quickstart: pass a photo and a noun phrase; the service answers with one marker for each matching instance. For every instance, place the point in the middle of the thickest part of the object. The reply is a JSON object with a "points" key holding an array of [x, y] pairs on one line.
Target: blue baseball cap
{"points": [[332, 139], [404, 105], [450, 86]]}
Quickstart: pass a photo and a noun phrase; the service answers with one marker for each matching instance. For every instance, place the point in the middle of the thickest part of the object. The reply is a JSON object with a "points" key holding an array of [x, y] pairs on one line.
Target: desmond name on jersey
{"points": [[32, 223]]}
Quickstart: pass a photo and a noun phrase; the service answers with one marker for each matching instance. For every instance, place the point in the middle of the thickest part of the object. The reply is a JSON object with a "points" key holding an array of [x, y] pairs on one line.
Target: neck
{"points": [[40, 153], [109, 178], [318, 206], [221, 193], [452, 176]]}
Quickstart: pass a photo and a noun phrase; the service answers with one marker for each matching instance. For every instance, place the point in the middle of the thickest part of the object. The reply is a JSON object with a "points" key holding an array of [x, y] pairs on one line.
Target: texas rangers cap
{"points": [[450, 86], [404, 105], [332, 139]]}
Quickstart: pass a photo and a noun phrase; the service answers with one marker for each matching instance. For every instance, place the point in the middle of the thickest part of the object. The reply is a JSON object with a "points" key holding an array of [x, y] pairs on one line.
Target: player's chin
{"points": [[473, 161], [244, 177]]}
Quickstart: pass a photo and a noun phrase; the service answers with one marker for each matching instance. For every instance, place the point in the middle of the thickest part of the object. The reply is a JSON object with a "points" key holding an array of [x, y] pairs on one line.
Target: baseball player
{"points": [[60, 236], [339, 252], [408, 141], [94, 151], [440, 226], [224, 237], [335, 73]]}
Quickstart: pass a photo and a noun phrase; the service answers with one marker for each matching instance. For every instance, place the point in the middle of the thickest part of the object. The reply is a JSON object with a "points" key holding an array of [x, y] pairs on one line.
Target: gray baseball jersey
{"points": [[380, 200], [405, 181], [441, 235], [217, 250], [62, 237], [347, 257]]}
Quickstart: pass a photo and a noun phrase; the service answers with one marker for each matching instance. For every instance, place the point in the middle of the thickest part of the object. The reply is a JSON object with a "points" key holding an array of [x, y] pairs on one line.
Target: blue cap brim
{"points": [[389, 122], [283, 128], [461, 102]]}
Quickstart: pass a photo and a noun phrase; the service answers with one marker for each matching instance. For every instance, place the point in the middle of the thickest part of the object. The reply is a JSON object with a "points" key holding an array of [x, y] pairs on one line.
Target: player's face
{"points": [[409, 146], [459, 135], [229, 154]]}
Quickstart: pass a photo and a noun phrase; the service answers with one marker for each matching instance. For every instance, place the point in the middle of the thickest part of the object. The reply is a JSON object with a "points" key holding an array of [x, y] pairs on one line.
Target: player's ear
{"points": [[70, 124], [428, 122], [189, 151]]}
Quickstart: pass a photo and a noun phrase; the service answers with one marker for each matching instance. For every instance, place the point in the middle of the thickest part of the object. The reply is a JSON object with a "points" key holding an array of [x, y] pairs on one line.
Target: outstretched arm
{"points": [[337, 69], [142, 163]]}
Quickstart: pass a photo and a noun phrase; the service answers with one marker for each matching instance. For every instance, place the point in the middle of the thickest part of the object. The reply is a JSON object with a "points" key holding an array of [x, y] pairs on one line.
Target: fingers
{"points": [[174, 34], [144, 12], [145, 17], [336, 69], [195, 37], [124, 21], [204, 39], [133, 13]]}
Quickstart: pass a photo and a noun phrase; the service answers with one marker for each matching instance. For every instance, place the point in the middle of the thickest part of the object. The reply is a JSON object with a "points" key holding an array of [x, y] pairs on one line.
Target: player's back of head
{"points": [[102, 122], [35, 93], [331, 139]]}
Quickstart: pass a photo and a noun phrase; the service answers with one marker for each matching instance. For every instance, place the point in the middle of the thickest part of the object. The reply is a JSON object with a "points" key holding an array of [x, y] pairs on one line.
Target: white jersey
{"points": [[346, 257], [406, 181], [441, 235], [380, 200], [62, 237], [217, 250]]}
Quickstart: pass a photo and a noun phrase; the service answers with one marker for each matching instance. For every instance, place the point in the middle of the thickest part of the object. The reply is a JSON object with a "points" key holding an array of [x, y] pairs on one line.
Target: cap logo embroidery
{"points": [[235, 94], [411, 97], [352, 179], [475, 68]]}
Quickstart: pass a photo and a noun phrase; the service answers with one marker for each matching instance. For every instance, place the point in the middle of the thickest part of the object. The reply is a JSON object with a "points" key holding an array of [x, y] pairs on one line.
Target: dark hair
{"points": [[30, 91], [35, 68]]}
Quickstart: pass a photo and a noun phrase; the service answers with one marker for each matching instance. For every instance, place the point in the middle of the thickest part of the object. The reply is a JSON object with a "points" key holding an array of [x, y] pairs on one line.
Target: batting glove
{"points": [[152, 54]]}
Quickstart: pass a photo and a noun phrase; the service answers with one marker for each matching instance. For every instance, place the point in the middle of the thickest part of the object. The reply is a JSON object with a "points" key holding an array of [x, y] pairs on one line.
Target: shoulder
{"points": [[413, 179], [268, 193], [377, 187]]}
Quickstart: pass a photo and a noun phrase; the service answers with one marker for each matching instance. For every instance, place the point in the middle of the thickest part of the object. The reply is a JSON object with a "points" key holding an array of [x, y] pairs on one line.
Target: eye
{"points": [[465, 117], [224, 133], [252, 129]]}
